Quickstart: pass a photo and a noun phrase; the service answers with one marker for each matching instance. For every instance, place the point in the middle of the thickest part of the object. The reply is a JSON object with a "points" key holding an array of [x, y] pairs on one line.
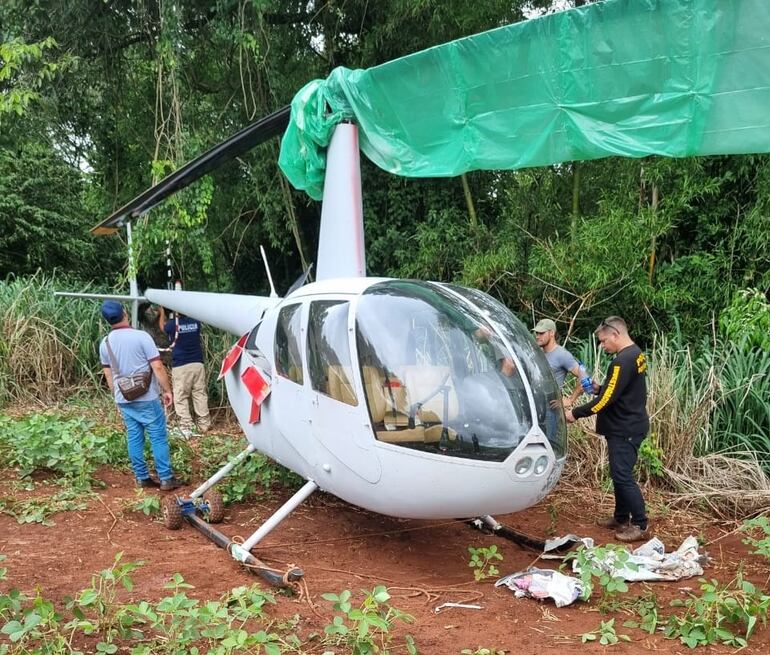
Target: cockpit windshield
{"points": [[436, 376], [550, 415]]}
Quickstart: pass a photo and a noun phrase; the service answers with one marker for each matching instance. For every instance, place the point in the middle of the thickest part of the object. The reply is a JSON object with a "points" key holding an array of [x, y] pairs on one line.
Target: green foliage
{"points": [[70, 448], [39, 509], [650, 460], [256, 473], [599, 565], [173, 625], [726, 614], [759, 526], [366, 629], [24, 69], [482, 562], [605, 633], [647, 609], [747, 319], [147, 504]]}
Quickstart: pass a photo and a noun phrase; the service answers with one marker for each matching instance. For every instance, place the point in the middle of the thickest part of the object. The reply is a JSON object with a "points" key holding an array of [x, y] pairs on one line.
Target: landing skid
{"points": [[489, 525], [179, 509]]}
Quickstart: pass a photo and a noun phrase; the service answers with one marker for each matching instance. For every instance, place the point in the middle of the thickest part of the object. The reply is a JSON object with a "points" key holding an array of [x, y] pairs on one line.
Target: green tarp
{"points": [[623, 77]]}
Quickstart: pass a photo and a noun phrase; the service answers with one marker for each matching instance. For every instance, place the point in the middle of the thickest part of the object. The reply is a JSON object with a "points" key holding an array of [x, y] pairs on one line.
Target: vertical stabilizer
{"points": [[341, 242]]}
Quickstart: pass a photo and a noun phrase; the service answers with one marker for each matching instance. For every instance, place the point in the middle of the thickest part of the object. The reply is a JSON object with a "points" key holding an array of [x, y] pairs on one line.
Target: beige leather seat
{"points": [[390, 402], [340, 385]]}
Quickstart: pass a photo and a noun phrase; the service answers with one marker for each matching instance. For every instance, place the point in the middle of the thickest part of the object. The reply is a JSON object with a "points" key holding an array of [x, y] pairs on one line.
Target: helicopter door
{"points": [[289, 391], [337, 409]]}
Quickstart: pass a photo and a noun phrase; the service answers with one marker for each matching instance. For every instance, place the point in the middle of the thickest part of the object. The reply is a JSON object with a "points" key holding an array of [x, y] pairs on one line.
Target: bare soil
{"points": [[424, 564]]}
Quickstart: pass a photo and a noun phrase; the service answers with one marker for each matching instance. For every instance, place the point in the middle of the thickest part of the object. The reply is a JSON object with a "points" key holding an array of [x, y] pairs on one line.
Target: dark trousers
{"points": [[629, 503]]}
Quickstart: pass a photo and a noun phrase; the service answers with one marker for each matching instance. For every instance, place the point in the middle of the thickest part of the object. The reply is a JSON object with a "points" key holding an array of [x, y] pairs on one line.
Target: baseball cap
{"points": [[112, 311], [544, 325]]}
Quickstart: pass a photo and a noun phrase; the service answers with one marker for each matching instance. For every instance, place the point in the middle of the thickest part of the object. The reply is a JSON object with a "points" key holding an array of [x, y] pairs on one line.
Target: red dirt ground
{"points": [[340, 547]]}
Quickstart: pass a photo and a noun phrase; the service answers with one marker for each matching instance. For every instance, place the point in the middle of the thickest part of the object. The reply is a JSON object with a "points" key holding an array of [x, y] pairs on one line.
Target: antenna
{"points": [[273, 294]]}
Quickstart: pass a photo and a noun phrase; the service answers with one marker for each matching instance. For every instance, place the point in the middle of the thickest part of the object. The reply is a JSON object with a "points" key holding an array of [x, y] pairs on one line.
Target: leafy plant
{"points": [[39, 509], [647, 609], [759, 524], [366, 629], [714, 616], [71, 448], [147, 504], [482, 562], [605, 633], [601, 565]]}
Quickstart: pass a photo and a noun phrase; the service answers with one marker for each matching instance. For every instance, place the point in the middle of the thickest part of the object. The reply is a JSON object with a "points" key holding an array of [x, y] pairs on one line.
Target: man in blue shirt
{"points": [[188, 374], [125, 352]]}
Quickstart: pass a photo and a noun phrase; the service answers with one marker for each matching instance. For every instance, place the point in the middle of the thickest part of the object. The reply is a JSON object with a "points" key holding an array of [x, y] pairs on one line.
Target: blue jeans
{"points": [[147, 415]]}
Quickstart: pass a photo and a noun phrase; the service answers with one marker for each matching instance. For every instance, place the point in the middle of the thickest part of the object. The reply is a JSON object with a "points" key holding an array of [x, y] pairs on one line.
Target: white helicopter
{"points": [[411, 399]]}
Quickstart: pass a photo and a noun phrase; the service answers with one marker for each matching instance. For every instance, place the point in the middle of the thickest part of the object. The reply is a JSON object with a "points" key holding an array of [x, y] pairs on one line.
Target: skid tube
{"points": [[270, 575], [188, 507], [490, 525]]}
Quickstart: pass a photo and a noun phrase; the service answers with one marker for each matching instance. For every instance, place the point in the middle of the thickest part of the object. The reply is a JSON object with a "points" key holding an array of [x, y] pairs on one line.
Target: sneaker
{"points": [[172, 483], [612, 523], [632, 533], [149, 483]]}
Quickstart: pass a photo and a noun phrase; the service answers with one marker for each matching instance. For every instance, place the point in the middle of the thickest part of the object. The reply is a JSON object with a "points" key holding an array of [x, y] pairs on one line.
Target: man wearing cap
{"points": [[621, 416], [559, 358], [125, 352]]}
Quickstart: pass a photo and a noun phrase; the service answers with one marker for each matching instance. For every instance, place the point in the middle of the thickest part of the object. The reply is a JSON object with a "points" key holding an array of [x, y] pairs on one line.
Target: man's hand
{"points": [[596, 387], [568, 415], [168, 398]]}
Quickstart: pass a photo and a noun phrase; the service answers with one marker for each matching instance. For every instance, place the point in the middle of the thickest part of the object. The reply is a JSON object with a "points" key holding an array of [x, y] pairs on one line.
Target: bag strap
{"points": [[113, 360]]}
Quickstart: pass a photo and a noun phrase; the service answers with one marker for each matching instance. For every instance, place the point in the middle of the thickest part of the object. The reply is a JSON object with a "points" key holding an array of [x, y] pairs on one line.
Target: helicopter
{"points": [[429, 400], [407, 398]]}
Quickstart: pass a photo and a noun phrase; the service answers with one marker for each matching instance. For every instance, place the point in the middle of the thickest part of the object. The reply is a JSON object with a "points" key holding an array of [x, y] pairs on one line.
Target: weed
{"points": [[70, 448], [713, 616], [601, 565], [761, 543], [147, 504], [605, 633], [481, 562], [39, 509], [647, 609], [366, 629], [256, 472]]}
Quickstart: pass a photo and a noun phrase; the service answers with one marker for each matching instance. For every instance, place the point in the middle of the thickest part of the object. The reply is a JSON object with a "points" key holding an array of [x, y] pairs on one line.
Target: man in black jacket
{"points": [[621, 416]]}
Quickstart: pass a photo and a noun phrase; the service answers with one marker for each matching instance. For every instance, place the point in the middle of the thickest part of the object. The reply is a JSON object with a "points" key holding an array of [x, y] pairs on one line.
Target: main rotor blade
{"points": [[249, 137]]}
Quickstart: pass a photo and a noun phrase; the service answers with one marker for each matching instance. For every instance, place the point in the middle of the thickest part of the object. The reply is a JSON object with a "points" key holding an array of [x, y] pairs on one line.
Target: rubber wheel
{"points": [[172, 513], [216, 506]]}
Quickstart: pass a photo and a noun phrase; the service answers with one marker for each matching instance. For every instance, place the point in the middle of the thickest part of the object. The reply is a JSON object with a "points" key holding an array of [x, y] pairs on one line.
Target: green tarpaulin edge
{"points": [[624, 77]]}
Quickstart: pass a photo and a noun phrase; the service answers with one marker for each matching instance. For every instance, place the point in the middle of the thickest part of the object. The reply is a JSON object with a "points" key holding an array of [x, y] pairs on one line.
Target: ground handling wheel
{"points": [[216, 506], [172, 513]]}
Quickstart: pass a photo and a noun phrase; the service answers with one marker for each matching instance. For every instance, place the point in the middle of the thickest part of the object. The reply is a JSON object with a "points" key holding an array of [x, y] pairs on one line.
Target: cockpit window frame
{"points": [[293, 344]]}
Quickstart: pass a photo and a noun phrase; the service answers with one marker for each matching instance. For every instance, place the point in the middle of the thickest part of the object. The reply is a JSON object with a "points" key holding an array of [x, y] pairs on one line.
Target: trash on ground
{"points": [[650, 562], [555, 548], [542, 584], [460, 605]]}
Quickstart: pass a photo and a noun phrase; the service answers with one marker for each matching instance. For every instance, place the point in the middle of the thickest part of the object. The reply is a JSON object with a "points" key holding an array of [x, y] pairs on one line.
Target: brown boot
{"points": [[612, 523], [632, 533]]}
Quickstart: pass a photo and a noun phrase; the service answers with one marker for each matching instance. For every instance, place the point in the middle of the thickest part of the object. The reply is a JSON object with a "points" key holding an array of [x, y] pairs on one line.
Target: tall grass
{"points": [[48, 345]]}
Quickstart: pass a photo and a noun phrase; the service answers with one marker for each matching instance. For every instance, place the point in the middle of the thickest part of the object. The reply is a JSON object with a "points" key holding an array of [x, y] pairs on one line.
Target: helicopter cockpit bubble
{"points": [[550, 416], [436, 377]]}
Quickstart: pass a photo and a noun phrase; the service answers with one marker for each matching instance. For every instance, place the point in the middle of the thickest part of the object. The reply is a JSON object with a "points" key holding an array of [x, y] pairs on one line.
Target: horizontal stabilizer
{"points": [[230, 312]]}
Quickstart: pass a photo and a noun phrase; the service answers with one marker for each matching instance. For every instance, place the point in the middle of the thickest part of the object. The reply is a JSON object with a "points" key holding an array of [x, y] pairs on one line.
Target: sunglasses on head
{"points": [[604, 325]]}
